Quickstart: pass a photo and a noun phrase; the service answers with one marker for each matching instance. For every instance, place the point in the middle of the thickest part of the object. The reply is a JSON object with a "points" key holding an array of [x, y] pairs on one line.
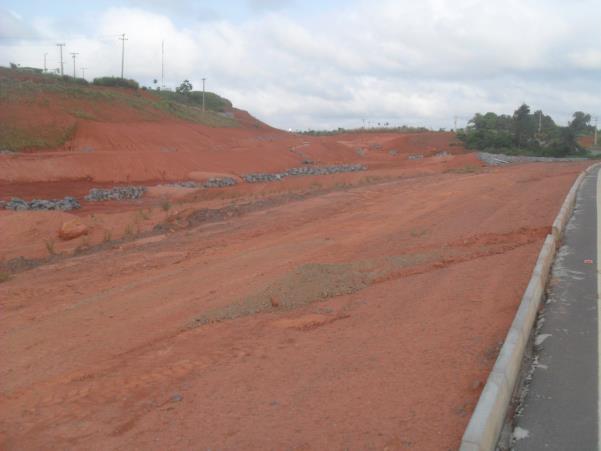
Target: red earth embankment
{"points": [[366, 317]]}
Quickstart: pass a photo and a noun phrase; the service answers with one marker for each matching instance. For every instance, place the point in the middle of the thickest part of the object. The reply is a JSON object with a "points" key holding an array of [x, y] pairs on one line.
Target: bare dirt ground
{"points": [[156, 153], [362, 314]]}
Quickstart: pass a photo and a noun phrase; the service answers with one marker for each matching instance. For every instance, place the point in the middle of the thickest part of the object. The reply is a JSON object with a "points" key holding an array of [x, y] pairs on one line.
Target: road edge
{"points": [[484, 428]]}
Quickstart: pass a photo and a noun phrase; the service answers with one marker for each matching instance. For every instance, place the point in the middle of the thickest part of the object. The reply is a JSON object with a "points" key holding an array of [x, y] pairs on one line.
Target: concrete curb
{"points": [[485, 426]]}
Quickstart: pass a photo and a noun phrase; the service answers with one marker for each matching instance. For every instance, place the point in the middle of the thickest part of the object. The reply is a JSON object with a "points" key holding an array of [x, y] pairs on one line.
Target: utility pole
{"points": [[123, 39], [540, 121], [595, 138], [60, 46], [455, 123], [74, 54], [203, 95], [45, 69], [83, 72], [163, 64]]}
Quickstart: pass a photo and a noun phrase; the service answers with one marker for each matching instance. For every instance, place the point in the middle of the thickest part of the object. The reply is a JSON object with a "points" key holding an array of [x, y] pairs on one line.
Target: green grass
{"points": [[195, 114], [213, 102], [80, 114], [464, 170], [16, 138]]}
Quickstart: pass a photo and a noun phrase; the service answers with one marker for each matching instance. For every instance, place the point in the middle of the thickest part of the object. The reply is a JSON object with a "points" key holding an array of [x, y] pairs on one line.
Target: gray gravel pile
{"points": [[116, 193], [415, 157], [66, 204], [217, 182], [500, 159], [305, 170], [221, 182], [261, 177]]}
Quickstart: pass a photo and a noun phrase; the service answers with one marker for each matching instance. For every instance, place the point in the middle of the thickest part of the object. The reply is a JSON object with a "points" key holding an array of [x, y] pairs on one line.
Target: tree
{"points": [[185, 88], [566, 144], [580, 122], [523, 126]]}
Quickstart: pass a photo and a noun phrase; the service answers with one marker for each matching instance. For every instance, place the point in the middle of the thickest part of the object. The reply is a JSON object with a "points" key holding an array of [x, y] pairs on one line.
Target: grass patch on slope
{"points": [[17, 138]]}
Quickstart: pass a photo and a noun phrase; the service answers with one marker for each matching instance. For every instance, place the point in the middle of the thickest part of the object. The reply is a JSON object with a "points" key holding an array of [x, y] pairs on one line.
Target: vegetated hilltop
{"points": [[43, 111], [526, 133]]}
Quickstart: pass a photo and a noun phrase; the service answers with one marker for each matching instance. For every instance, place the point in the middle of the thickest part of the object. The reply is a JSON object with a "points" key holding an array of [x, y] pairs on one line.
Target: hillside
{"points": [[44, 111], [63, 130]]}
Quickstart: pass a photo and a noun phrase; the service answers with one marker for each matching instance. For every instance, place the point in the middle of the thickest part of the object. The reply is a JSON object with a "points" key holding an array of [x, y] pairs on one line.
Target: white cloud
{"points": [[400, 61]]}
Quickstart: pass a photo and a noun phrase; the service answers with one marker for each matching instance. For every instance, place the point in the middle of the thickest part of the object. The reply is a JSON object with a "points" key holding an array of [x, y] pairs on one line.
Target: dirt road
{"points": [[366, 318]]}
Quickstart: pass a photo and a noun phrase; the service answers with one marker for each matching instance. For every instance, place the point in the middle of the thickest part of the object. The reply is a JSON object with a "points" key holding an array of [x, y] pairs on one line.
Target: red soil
{"points": [[146, 151], [353, 311], [363, 318]]}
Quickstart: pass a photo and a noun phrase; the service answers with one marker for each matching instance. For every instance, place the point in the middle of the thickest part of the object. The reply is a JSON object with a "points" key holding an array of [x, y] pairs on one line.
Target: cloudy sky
{"points": [[322, 64]]}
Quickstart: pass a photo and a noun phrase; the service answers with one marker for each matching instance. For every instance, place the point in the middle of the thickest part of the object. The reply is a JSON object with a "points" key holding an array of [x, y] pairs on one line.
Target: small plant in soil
{"points": [[50, 246], [166, 205], [144, 214], [129, 231]]}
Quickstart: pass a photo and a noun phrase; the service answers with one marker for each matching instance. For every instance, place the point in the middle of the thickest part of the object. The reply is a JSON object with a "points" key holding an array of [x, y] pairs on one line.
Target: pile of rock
{"points": [[257, 177], [219, 182], [415, 157], [214, 182], [116, 193], [16, 204], [305, 170], [494, 159]]}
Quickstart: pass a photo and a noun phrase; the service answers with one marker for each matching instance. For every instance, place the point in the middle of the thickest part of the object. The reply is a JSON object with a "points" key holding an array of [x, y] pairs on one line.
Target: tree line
{"points": [[526, 132]]}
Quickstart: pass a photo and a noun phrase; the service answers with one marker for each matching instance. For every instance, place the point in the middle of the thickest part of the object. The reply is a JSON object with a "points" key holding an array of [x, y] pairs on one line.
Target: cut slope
{"points": [[43, 111]]}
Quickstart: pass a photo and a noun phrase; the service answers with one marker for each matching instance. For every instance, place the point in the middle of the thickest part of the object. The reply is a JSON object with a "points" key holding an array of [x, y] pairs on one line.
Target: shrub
{"points": [[116, 82], [74, 80]]}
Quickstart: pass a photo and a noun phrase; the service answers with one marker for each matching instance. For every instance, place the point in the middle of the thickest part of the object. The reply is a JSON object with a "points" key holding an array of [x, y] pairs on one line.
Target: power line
{"points": [[203, 94], [122, 38], [163, 64], [74, 54], [60, 46]]}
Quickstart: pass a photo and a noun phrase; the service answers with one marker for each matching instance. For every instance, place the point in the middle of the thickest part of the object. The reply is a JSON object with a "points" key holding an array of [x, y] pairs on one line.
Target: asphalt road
{"points": [[561, 408]]}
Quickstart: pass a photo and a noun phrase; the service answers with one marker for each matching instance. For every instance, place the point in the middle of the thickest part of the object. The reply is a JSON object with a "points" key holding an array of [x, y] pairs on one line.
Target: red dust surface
{"points": [[352, 311], [364, 317]]}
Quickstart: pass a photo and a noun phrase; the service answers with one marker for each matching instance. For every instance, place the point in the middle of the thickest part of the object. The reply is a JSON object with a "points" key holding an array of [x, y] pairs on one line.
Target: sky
{"points": [[308, 64]]}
